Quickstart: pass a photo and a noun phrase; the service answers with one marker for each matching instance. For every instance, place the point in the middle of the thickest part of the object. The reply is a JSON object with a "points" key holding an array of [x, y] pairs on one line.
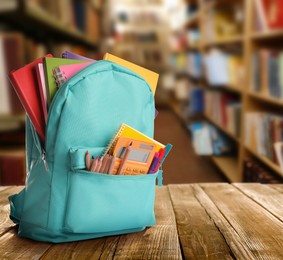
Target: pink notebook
{"points": [[64, 72], [42, 89]]}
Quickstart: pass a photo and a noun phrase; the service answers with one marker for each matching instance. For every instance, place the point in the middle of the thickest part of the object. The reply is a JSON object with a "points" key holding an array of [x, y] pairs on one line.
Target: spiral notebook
{"points": [[64, 72], [127, 131]]}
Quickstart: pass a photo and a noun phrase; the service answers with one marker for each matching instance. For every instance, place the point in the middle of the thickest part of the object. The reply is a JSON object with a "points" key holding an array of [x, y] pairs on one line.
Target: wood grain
{"points": [[157, 242], [199, 236], [270, 199], [4, 194], [278, 187], [13, 247], [88, 249], [239, 249], [5, 222], [3, 188], [258, 231]]}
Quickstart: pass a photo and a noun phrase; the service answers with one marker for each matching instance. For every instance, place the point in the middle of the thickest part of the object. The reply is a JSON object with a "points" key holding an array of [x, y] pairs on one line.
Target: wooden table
{"points": [[194, 221]]}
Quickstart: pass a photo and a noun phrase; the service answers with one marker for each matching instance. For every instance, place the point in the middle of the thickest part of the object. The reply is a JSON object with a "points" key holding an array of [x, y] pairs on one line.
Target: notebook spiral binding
{"points": [[59, 76], [114, 140]]}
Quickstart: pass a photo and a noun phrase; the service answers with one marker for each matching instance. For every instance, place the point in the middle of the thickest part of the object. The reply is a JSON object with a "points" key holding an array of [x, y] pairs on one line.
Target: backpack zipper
{"points": [[43, 158]]}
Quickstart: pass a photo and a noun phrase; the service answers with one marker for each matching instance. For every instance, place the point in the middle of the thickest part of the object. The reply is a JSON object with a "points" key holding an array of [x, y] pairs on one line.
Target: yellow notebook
{"points": [[150, 76], [127, 131]]}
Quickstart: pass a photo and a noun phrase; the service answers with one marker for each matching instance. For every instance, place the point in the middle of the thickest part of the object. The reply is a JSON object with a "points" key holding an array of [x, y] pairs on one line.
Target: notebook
{"points": [[150, 76], [49, 65], [25, 83], [74, 56], [127, 131], [64, 72], [42, 89]]}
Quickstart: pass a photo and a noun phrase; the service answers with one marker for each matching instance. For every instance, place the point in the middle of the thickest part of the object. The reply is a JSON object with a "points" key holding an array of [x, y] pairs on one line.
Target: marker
{"points": [[162, 151], [125, 158], [154, 163]]}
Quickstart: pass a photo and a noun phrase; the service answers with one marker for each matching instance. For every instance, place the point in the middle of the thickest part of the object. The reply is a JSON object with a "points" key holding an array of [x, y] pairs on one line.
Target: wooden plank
{"points": [[199, 236], [258, 231], [4, 194], [238, 248], [89, 249], [3, 188], [158, 242], [5, 222], [278, 187], [267, 197], [14, 247]]}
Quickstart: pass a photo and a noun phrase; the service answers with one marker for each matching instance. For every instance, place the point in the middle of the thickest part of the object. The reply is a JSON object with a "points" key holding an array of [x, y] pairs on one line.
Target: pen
{"points": [[161, 154], [125, 158], [154, 163]]}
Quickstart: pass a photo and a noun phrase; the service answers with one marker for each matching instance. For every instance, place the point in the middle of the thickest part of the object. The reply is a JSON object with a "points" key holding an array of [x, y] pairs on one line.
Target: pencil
{"points": [[123, 163], [94, 165], [111, 167], [87, 160]]}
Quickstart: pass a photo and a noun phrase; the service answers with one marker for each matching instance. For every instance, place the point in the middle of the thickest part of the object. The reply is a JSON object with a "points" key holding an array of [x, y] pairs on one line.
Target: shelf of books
{"points": [[241, 66], [59, 19], [29, 30]]}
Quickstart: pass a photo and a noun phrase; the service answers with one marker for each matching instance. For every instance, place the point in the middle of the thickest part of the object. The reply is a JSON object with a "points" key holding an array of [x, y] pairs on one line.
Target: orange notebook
{"points": [[150, 77], [25, 83]]}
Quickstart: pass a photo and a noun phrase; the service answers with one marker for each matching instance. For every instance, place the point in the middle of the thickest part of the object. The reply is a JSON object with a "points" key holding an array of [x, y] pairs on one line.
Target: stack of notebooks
{"points": [[36, 83]]}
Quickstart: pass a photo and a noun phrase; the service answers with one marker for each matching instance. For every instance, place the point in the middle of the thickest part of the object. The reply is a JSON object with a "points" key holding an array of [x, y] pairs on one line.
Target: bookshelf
{"points": [[248, 41], [31, 18], [33, 29]]}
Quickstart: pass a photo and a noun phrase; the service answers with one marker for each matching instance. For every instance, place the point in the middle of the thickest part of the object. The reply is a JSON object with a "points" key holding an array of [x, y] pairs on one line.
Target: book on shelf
{"points": [[224, 69], [255, 172], [11, 57], [262, 131], [208, 140], [224, 22], [224, 109], [194, 64], [181, 89], [267, 72], [196, 101], [74, 14], [268, 14]]}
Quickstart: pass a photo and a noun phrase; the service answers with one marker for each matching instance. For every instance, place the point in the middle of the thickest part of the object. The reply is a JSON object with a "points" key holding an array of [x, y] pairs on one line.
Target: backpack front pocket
{"points": [[105, 203]]}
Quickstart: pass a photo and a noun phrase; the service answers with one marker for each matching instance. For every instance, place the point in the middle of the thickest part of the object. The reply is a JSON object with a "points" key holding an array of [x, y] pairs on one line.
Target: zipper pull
{"points": [[43, 157]]}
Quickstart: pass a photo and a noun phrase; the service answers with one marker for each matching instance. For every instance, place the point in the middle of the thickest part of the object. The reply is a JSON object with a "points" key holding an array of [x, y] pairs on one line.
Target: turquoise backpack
{"points": [[61, 201]]}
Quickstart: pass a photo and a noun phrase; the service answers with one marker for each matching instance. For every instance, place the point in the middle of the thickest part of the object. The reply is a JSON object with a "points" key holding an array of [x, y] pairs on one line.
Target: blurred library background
{"points": [[220, 65]]}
